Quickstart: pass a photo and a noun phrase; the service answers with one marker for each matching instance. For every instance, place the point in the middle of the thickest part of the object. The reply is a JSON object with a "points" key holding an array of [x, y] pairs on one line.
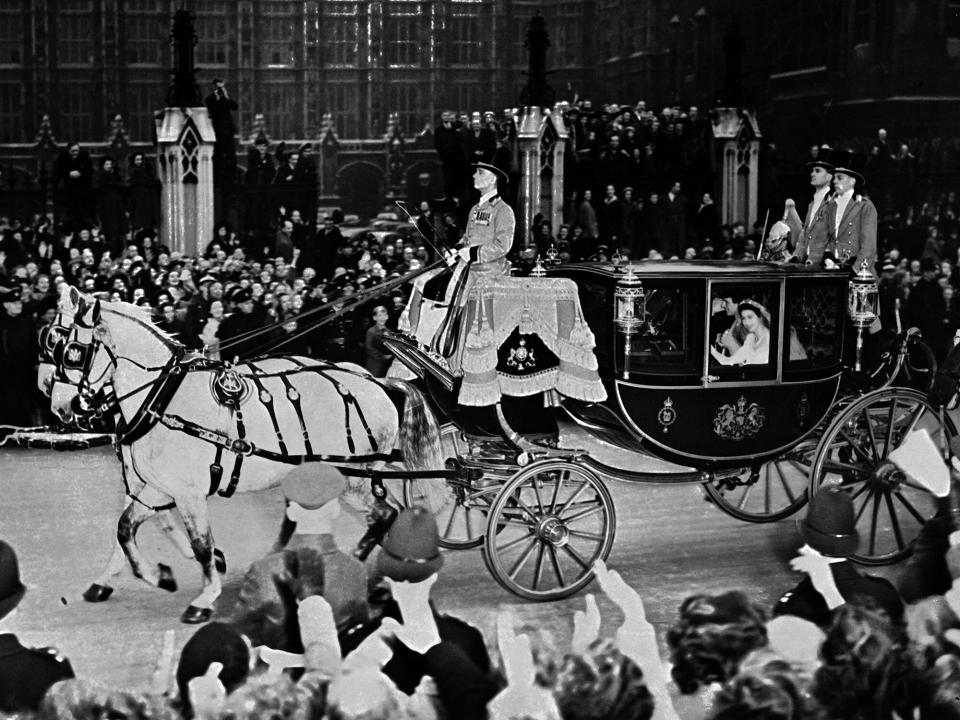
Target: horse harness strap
{"points": [[244, 448], [157, 400]]}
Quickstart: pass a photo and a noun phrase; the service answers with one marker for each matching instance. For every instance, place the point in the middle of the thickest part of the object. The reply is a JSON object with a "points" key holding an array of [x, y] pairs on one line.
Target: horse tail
{"points": [[419, 436]]}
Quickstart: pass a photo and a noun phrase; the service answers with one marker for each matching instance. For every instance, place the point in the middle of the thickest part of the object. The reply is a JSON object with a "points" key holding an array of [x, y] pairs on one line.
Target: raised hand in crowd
{"points": [[522, 698]]}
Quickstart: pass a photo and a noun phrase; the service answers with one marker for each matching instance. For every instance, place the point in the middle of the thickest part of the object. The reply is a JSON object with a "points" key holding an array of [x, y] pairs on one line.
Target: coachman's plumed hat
{"points": [[411, 550], [829, 527]]}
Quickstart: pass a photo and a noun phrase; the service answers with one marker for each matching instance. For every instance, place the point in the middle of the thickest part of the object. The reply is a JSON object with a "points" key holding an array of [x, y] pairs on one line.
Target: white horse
{"points": [[191, 426], [52, 339]]}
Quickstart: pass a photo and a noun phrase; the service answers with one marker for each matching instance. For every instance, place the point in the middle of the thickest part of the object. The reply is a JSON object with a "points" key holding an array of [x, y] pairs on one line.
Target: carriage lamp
{"points": [[629, 302], [538, 270], [617, 259], [862, 304], [553, 256]]}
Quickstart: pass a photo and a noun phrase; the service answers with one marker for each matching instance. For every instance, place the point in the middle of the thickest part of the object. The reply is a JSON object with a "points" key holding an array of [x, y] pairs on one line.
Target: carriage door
{"points": [[744, 332]]}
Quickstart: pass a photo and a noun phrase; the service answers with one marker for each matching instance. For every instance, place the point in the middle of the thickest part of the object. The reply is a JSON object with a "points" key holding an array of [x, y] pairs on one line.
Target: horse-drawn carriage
{"points": [[759, 436], [631, 356]]}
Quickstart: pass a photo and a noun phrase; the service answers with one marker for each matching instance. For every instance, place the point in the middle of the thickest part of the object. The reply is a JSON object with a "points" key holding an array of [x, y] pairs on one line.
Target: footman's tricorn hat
{"points": [[829, 527], [11, 589], [411, 550]]}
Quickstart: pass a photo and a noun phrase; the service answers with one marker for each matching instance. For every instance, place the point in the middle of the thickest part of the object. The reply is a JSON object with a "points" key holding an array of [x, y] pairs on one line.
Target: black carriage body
{"points": [[668, 394]]}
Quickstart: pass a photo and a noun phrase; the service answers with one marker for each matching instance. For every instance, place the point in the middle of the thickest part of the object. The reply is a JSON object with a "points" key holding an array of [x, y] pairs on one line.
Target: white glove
{"points": [[207, 693]]}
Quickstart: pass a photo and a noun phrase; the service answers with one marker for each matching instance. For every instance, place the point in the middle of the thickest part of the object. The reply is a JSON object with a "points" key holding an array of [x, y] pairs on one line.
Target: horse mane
{"points": [[142, 314]]}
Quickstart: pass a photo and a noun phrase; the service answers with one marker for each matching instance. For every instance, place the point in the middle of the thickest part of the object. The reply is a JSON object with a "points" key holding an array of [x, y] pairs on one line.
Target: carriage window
{"points": [[670, 339], [815, 313], [743, 329]]}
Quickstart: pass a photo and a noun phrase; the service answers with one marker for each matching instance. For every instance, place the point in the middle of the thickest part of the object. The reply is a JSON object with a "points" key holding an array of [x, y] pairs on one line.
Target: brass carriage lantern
{"points": [[862, 304], [629, 301]]}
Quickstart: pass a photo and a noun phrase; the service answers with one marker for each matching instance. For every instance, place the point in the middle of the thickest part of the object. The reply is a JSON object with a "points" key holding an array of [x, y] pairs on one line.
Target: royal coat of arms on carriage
{"points": [[521, 357], [739, 421]]}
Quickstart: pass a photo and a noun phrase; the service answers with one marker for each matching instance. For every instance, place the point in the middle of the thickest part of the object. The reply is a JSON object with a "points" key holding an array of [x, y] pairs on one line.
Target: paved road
{"points": [[59, 510]]}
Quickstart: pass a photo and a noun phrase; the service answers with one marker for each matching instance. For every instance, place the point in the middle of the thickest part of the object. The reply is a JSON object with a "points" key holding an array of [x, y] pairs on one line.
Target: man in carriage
{"points": [[436, 309]]}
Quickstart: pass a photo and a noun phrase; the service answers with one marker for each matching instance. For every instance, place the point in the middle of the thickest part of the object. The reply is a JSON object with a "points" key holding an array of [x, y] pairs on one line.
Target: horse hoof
{"points": [[167, 581], [194, 615], [219, 561], [97, 593]]}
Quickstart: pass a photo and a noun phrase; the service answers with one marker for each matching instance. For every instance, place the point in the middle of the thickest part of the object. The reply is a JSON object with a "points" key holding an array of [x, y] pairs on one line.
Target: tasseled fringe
{"points": [[582, 336], [474, 361], [479, 394]]}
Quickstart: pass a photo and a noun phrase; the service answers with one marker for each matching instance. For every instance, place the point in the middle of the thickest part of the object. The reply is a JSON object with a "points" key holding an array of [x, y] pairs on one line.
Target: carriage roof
{"points": [[710, 269]]}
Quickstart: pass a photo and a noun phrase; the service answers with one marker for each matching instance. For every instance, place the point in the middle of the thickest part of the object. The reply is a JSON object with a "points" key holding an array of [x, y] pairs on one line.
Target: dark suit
{"points": [[806, 602], [816, 232], [27, 673], [674, 228], [459, 665], [856, 239]]}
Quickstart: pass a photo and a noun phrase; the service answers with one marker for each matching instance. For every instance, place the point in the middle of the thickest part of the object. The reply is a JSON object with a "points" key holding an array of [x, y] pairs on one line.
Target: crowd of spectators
{"points": [[316, 634]]}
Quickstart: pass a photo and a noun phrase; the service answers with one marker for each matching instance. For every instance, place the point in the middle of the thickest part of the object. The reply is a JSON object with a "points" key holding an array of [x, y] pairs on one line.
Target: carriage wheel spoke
{"points": [[469, 524], [914, 486], [526, 508], [894, 521], [536, 491], [858, 493], [863, 506], [596, 537], [873, 522], [453, 516], [573, 497], [854, 446], [873, 438], [890, 423], [743, 498], [556, 490], [786, 485], [910, 508], [914, 419], [579, 515], [839, 467], [538, 571], [514, 522], [524, 556], [555, 561], [577, 557], [516, 541], [766, 489]]}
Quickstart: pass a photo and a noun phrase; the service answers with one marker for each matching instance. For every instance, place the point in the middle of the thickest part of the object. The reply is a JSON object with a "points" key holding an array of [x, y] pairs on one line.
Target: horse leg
{"points": [[136, 513], [193, 511], [166, 519]]}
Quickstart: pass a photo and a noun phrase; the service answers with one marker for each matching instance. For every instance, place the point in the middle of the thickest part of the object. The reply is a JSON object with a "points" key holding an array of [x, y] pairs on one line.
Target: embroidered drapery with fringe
{"points": [[508, 320]]}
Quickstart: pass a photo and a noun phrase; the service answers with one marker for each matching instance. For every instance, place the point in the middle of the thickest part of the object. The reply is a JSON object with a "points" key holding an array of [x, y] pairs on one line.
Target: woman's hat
{"points": [[11, 589], [411, 550], [829, 527]]}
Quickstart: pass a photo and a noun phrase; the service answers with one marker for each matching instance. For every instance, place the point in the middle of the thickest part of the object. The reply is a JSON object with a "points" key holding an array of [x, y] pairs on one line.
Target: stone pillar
{"points": [[736, 143], [185, 140], [528, 197], [557, 162]]}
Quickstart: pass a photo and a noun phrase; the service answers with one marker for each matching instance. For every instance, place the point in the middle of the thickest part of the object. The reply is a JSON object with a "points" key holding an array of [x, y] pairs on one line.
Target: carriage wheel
{"points": [[546, 528], [890, 507], [461, 504], [768, 491]]}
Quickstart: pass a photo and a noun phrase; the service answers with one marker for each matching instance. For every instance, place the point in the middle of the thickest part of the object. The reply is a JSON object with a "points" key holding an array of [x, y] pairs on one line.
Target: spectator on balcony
{"points": [[676, 211], [220, 106], [587, 217], [480, 142], [110, 205], [74, 175], [260, 169], [143, 197], [611, 217]]}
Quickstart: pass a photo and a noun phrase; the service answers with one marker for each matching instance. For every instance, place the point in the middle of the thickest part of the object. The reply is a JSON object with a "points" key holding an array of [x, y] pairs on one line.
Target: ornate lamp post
{"points": [[629, 311], [862, 305]]}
